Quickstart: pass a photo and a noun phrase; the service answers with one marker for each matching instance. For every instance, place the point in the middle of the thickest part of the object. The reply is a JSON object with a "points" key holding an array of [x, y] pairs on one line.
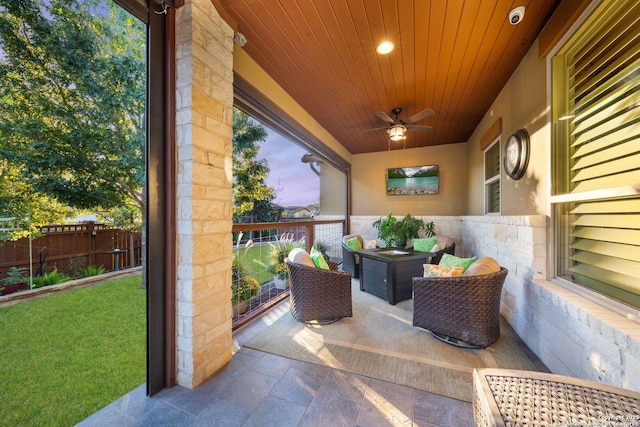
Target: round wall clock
{"points": [[516, 154]]}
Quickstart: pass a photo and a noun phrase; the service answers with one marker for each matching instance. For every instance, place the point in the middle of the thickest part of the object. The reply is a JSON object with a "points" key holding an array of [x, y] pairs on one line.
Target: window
{"points": [[492, 178], [596, 153]]}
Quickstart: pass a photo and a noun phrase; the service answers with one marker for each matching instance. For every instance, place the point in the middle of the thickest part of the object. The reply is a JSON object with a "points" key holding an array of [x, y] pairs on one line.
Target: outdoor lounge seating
{"points": [[462, 311], [349, 257], [317, 295]]}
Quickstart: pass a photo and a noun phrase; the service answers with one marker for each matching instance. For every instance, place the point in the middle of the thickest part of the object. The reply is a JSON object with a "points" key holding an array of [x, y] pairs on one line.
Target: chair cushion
{"points": [[449, 260], [424, 244], [349, 236], [441, 243], [300, 256], [431, 270], [354, 244], [370, 244], [438, 247], [318, 259], [484, 265]]}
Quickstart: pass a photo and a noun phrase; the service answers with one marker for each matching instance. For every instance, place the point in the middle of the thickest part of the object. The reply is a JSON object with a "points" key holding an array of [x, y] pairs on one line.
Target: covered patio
{"points": [[588, 332], [268, 389]]}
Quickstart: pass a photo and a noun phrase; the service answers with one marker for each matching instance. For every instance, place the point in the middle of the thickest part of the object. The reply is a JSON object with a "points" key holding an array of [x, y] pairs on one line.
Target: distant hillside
{"points": [[413, 172]]}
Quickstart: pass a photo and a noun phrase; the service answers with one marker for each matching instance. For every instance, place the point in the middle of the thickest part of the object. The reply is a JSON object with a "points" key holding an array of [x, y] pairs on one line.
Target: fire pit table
{"points": [[387, 273]]}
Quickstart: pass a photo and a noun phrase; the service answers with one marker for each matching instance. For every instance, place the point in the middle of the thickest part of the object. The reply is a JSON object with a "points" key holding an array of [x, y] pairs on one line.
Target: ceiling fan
{"points": [[397, 128]]}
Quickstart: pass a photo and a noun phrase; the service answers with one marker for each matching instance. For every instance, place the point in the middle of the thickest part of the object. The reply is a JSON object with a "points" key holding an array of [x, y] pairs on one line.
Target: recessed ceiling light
{"points": [[384, 47]]}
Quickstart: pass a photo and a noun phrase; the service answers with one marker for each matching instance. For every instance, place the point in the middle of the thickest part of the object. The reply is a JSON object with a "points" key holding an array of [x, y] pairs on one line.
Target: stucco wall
{"points": [[368, 176], [522, 103], [249, 70], [333, 191]]}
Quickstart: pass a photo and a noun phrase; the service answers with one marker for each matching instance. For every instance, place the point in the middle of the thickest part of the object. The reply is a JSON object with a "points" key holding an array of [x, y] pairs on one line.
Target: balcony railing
{"points": [[255, 246]]}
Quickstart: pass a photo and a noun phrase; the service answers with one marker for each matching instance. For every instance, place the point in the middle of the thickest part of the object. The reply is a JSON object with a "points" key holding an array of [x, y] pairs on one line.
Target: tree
{"points": [[72, 96], [22, 209], [251, 196]]}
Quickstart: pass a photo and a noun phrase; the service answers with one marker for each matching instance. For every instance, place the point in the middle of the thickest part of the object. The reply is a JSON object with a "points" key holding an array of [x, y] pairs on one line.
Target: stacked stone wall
{"points": [[204, 119]]}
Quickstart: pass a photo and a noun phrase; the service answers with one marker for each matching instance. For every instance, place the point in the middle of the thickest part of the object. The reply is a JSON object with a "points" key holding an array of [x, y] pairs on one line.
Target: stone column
{"points": [[204, 120]]}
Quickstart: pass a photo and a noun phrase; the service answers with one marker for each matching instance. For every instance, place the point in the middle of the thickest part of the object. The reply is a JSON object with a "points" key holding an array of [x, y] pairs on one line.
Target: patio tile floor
{"points": [[262, 389]]}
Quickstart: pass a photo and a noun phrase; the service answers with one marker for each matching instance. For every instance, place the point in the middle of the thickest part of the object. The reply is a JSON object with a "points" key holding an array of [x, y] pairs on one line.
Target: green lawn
{"points": [[64, 357], [256, 260]]}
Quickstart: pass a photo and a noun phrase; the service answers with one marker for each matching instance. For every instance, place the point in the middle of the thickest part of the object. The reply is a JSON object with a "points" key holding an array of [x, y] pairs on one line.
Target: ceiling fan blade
{"points": [[370, 130], [384, 116], [419, 128], [419, 116]]}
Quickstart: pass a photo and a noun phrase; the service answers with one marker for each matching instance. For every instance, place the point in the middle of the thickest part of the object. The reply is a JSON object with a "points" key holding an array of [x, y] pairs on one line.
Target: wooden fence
{"points": [[71, 247]]}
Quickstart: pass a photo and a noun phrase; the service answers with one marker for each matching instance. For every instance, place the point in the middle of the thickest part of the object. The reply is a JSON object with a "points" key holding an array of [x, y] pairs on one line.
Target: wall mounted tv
{"points": [[417, 180]]}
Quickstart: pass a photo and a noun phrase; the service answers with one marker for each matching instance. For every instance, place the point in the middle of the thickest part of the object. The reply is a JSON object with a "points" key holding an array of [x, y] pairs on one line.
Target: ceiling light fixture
{"points": [[384, 47], [396, 133]]}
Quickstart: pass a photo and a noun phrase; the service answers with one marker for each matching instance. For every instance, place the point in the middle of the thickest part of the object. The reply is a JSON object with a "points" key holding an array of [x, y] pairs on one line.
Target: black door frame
{"points": [[159, 192]]}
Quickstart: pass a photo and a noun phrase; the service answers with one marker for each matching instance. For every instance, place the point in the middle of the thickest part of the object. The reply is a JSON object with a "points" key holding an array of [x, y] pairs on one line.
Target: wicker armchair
{"points": [[317, 295], [350, 258], [462, 311], [438, 256]]}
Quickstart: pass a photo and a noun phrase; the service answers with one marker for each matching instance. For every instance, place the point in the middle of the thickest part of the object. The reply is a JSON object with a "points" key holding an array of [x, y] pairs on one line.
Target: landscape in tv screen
{"points": [[412, 180]]}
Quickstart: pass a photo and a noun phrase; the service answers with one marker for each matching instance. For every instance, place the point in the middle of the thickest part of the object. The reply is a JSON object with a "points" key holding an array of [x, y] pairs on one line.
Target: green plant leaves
{"points": [[396, 232]]}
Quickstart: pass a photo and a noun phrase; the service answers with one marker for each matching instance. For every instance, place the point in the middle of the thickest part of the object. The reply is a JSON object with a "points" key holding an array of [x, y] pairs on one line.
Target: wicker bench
{"points": [[503, 397]]}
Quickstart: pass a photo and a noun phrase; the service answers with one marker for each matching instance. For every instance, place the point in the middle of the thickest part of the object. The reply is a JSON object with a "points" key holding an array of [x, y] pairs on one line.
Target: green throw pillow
{"points": [[449, 260], [318, 259], [424, 244], [354, 244]]}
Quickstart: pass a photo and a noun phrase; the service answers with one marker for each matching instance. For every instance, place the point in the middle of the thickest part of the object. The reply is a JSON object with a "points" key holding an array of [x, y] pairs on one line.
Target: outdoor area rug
{"points": [[380, 341]]}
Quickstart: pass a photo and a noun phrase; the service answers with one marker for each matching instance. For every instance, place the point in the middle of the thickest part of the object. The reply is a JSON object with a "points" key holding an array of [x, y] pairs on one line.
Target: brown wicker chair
{"points": [[462, 311], [350, 258], [317, 295]]}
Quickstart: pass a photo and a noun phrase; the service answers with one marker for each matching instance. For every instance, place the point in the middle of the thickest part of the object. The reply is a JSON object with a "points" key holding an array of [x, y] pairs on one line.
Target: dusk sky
{"points": [[295, 183]]}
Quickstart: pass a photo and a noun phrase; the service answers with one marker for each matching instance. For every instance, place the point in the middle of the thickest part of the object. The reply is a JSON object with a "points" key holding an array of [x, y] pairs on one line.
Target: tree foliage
{"points": [[72, 100], [251, 196], [26, 208]]}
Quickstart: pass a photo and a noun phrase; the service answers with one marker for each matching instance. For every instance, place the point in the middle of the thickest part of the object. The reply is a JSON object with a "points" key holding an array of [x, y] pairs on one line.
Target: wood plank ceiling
{"points": [[451, 56]]}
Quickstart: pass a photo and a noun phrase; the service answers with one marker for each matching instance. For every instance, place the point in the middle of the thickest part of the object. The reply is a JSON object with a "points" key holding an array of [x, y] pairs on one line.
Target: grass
{"points": [[66, 356], [256, 259]]}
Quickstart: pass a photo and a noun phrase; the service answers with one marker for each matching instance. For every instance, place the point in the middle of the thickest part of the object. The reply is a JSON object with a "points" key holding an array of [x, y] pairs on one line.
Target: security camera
{"points": [[516, 15]]}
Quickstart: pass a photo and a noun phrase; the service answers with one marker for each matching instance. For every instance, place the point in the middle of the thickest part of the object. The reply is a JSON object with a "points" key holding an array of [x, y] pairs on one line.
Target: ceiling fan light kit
{"points": [[397, 133], [397, 129]]}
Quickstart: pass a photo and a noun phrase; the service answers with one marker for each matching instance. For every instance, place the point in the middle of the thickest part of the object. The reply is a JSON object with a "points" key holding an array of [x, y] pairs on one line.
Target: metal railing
{"points": [[259, 278]]}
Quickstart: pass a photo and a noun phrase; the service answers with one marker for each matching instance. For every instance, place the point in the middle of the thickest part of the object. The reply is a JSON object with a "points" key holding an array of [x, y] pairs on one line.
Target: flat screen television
{"points": [[416, 180]]}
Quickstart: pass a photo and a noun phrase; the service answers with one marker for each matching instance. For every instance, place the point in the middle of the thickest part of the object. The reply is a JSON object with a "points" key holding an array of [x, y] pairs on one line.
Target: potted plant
{"points": [[243, 288], [279, 251], [396, 232], [15, 281]]}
